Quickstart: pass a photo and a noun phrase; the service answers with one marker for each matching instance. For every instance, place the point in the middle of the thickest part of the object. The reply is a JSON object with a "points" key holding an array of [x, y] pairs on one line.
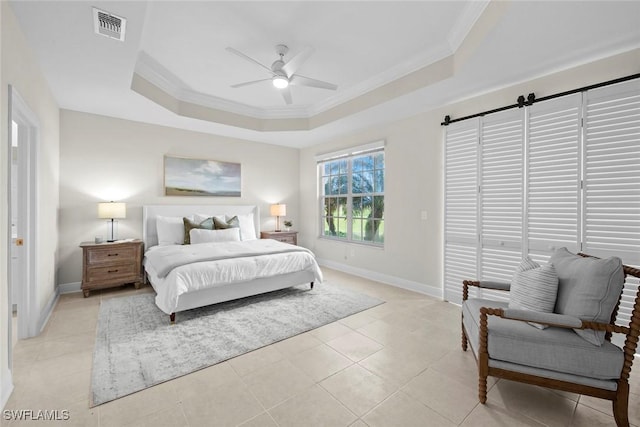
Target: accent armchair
{"points": [[560, 351]]}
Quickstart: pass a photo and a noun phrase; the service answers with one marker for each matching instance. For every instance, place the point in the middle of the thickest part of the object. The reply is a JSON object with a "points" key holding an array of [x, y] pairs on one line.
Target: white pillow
{"points": [[170, 230], [247, 227], [534, 287], [200, 235]]}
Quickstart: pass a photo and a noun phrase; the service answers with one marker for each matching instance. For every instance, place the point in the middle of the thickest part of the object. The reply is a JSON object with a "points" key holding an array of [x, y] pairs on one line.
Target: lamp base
{"points": [[112, 231]]}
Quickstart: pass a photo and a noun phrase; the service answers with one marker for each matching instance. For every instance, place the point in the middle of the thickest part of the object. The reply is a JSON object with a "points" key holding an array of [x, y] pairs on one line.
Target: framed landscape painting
{"points": [[197, 177]]}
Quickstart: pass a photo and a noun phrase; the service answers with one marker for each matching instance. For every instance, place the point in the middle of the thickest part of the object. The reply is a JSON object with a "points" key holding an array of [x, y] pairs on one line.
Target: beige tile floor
{"points": [[398, 364]]}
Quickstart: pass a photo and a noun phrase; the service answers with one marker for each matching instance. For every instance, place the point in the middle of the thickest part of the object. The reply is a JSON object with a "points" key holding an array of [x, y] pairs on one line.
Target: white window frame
{"points": [[348, 154]]}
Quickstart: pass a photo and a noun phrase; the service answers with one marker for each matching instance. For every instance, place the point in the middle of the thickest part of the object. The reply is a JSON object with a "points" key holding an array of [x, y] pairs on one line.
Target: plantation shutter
{"points": [[501, 187], [612, 178], [461, 207], [553, 176]]}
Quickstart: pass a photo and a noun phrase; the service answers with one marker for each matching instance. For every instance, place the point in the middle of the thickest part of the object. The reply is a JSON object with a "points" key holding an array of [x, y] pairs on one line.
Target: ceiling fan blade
{"points": [[249, 83], [308, 81], [286, 94], [242, 55], [294, 63]]}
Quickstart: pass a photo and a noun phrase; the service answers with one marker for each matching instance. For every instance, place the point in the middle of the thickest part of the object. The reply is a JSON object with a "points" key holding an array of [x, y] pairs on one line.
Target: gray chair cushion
{"points": [[534, 287], [588, 288], [554, 349]]}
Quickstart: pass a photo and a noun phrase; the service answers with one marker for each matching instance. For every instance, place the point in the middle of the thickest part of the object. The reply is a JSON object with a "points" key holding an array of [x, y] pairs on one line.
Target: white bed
{"points": [[184, 287]]}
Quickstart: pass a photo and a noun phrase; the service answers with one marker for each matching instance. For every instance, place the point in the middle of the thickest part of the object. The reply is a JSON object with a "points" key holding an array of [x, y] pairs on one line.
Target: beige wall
{"points": [[412, 255], [19, 69], [106, 159]]}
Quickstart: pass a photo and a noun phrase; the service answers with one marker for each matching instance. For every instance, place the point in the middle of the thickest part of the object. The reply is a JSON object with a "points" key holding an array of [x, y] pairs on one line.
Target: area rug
{"points": [[136, 346]]}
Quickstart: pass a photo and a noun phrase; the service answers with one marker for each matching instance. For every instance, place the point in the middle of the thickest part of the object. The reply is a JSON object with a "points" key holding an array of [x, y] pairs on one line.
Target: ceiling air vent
{"points": [[109, 25]]}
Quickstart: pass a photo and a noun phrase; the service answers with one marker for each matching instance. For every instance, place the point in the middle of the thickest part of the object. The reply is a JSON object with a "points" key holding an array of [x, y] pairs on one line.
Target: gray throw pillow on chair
{"points": [[589, 289], [534, 287]]}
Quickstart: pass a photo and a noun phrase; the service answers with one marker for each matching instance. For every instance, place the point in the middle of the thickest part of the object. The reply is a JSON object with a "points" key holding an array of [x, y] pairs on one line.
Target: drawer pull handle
{"points": [[112, 271], [112, 254]]}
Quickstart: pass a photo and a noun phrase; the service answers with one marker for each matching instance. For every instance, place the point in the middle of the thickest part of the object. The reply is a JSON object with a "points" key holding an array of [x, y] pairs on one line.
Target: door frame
{"points": [[28, 149]]}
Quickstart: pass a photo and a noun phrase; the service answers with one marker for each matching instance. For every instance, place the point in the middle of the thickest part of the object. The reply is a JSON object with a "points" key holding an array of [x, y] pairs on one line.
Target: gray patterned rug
{"points": [[136, 347]]}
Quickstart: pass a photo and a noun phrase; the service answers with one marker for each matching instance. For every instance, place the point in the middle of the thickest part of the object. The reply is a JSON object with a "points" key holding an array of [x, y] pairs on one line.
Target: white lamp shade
{"points": [[278, 210], [112, 210]]}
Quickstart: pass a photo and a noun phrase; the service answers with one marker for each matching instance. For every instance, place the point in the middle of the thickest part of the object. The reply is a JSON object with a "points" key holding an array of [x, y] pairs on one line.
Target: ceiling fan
{"points": [[283, 73]]}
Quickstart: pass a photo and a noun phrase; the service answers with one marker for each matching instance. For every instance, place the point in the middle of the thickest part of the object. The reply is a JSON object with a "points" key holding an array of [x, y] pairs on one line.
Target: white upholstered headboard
{"points": [[151, 212]]}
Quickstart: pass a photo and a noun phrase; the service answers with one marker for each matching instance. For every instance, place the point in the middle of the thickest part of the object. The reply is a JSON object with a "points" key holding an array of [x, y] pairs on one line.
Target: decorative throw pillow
{"points": [[534, 287], [589, 289], [207, 224], [198, 235], [201, 217], [222, 225]]}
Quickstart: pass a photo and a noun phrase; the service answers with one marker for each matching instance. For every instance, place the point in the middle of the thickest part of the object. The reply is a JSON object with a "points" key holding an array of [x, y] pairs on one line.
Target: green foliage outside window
{"points": [[353, 193]]}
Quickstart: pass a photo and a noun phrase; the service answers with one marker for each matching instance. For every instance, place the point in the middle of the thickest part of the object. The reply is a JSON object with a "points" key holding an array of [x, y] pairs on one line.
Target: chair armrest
{"points": [[483, 284], [551, 319], [488, 284], [499, 286]]}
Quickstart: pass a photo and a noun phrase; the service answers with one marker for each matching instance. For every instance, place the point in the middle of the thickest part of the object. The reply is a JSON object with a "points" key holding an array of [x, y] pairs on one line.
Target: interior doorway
{"points": [[22, 174]]}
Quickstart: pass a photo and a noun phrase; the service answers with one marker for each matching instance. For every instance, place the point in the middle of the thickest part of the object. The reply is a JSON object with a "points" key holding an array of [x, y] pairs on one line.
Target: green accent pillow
{"points": [[207, 224], [222, 225]]}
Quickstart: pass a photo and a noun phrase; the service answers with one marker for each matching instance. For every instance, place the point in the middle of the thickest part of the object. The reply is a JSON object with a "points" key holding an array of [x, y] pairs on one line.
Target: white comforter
{"points": [[177, 269]]}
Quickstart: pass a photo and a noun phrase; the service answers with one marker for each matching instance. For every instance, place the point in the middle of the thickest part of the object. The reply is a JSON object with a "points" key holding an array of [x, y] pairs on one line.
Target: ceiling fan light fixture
{"points": [[280, 82]]}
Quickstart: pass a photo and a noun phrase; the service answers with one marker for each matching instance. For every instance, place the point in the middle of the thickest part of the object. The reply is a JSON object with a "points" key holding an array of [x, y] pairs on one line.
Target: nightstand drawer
{"points": [[115, 273], [111, 255], [290, 237], [286, 239]]}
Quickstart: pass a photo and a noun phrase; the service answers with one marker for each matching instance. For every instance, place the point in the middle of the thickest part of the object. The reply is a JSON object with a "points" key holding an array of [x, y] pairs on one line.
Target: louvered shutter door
{"points": [[612, 178], [553, 176], [461, 193], [501, 183]]}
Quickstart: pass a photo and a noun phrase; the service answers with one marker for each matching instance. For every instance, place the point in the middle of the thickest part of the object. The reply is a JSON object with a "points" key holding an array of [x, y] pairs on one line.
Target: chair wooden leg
{"points": [[483, 357], [464, 340], [621, 405], [482, 389]]}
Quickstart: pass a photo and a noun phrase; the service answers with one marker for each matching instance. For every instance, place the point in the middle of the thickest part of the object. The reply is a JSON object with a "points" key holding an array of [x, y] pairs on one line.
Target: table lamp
{"points": [[278, 210], [111, 211]]}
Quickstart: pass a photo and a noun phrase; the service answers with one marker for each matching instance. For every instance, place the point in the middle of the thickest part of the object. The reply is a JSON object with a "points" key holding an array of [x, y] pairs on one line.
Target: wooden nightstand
{"points": [[107, 265], [283, 236]]}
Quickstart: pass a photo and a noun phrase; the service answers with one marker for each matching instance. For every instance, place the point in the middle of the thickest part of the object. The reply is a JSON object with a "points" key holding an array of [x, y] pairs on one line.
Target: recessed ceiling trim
{"points": [[472, 12], [400, 70], [148, 68], [151, 70]]}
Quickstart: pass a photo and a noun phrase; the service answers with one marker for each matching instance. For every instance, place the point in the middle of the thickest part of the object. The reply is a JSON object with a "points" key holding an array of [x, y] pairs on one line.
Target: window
{"points": [[352, 194]]}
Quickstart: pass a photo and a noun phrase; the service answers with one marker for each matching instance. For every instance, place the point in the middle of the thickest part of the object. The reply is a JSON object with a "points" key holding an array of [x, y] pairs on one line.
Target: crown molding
{"points": [[396, 72], [472, 12]]}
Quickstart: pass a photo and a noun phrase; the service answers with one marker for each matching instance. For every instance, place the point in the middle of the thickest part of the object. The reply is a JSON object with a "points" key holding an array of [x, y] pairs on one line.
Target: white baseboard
{"points": [[69, 288], [6, 388], [410, 285]]}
